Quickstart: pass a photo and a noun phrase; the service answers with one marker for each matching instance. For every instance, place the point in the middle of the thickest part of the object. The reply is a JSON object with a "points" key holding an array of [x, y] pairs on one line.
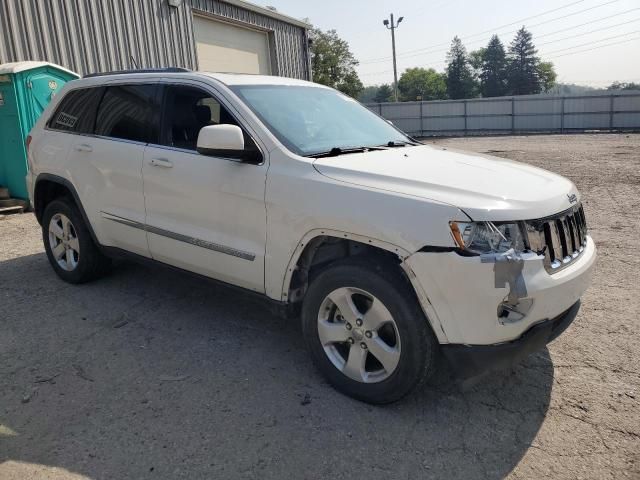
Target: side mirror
{"points": [[226, 141], [216, 139]]}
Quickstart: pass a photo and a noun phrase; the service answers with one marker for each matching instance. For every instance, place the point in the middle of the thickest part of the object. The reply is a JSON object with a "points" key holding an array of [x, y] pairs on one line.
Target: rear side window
{"points": [[77, 111], [129, 112]]}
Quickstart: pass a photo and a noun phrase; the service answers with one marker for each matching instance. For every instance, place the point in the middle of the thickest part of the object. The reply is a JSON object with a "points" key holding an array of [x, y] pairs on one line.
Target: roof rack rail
{"points": [[141, 70]]}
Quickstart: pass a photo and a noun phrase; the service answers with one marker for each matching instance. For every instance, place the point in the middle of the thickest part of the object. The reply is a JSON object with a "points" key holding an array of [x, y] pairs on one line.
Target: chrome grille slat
{"points": [[578, 231], [560, 223], [584, 225], [569, 234], [557, 241], [561, 237], [568, 247], [575, 244]]}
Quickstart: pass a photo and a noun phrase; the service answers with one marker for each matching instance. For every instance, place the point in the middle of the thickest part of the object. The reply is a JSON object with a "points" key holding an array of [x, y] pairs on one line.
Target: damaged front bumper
{"points": [[469, 361], [482, 301]]}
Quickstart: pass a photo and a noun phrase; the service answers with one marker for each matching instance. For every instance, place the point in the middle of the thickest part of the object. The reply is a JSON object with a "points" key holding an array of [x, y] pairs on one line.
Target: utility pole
{"points": [[392, 26]]}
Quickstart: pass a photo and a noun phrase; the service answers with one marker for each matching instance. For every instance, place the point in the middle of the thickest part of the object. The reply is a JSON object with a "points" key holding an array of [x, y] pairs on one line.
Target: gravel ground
{"points": [[150, 373]]}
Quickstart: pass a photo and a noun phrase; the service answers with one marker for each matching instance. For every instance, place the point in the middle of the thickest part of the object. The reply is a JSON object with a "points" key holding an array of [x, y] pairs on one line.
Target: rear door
{"points": [[204, 214], [106, 166]]}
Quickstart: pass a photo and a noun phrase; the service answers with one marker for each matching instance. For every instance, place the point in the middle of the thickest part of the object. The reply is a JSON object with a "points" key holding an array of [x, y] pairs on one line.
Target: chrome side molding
{"points": [[180, 237]]}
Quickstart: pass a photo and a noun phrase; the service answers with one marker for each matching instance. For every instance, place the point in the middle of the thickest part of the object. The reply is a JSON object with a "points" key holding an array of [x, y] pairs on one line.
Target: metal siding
{"points": [[584, 104], [443, 124], [626, 103], [488, 107], [493, 122], [408, 125], [587, 121], [436, 109], [543, 106], [626, 120], [394, 111], [95, 35], [538, 122], [290, 51], [532, 113]]}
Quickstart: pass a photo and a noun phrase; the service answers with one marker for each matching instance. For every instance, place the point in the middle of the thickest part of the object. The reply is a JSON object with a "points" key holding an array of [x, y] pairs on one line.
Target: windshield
{"points": [[312, 120]]}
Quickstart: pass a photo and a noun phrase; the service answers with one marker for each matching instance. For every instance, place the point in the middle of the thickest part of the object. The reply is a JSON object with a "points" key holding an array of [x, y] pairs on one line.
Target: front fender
{"points": [[327, 232]]}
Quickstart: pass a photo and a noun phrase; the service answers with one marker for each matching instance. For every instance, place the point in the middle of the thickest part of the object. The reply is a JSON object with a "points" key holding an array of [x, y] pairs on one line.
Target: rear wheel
{"points": [[366, 331], [68, 243]]}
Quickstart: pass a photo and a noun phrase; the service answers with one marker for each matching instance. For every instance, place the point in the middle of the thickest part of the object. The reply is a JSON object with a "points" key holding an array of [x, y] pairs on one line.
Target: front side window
{"points": [[77, 111], [128, 112], [311, 120], [189, 109]]}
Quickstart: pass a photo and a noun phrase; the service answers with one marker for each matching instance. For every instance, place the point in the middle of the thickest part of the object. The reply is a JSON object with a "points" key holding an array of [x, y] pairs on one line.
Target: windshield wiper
{"points": [[335, 151], [393, 144]]}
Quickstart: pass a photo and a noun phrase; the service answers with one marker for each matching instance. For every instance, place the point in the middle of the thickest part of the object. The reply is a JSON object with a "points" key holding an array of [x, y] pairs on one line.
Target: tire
{"points": [[408, 352], [63, 228]]}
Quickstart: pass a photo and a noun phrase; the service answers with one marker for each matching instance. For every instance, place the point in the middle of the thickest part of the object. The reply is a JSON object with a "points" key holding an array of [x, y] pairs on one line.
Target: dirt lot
{"points": [[153, 374]]}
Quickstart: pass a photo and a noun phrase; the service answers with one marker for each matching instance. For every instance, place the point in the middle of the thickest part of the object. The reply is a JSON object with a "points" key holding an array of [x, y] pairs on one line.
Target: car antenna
{"points": [[133, 60]]}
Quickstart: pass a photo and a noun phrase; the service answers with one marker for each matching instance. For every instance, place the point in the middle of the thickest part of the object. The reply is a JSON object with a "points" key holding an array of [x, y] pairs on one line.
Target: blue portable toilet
{"points": [[26, 88]]}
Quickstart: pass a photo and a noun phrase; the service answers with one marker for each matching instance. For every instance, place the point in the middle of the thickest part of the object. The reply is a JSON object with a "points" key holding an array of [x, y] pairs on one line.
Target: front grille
{"points": [[560, 238]]}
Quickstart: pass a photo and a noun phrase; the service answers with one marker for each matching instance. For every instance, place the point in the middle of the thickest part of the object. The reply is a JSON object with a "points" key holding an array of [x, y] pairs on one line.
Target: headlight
{"points": [[487, 237]]}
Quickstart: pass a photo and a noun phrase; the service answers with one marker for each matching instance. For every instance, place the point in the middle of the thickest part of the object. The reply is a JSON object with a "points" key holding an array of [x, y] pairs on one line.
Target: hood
{"points": [[484, 187]]}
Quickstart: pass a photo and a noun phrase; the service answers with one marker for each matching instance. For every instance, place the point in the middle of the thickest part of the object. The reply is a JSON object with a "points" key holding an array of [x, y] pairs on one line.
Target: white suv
{"points": [[391, 251]]}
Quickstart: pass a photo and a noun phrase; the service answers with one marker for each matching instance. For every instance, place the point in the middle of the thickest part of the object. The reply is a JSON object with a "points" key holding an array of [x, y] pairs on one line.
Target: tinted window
{"points": [[77, 111], [189, 109], [128, 112]]}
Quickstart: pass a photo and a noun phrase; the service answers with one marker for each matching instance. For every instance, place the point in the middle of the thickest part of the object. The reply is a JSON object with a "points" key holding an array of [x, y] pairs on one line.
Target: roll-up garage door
{"points": [[224, 47]]}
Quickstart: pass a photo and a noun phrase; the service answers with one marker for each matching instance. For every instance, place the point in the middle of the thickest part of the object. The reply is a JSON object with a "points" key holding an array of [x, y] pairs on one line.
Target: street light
{"points": [[392, 26]]}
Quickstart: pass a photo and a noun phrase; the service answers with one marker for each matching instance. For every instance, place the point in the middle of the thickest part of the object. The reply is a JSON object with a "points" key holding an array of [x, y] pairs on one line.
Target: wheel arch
{"points": [[48, 187], [321, 246], [300, 268]]}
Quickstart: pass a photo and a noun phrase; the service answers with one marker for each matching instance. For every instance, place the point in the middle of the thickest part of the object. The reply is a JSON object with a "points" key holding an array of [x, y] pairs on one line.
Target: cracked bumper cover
{"points": [[463, 296], [468, 361]]}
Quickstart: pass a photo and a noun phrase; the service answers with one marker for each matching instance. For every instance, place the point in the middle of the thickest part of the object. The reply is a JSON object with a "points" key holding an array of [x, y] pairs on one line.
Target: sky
{"points": [[590, 42]]}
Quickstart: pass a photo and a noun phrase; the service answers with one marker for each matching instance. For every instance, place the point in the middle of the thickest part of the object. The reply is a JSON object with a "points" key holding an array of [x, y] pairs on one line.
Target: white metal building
{"points": [[89, 36]]}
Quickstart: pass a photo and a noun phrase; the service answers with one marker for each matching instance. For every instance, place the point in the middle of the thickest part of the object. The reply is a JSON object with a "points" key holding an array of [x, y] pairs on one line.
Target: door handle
{"points": [[83, 147], [161, 162]]}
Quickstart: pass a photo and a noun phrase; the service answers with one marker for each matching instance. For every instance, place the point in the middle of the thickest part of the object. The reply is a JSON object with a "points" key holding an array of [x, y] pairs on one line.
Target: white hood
{"points": [[484, 187]]}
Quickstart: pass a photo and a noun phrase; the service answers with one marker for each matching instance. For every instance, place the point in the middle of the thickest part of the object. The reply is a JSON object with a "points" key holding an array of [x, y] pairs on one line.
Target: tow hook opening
{"points": [[508, 267], [508, 313]]}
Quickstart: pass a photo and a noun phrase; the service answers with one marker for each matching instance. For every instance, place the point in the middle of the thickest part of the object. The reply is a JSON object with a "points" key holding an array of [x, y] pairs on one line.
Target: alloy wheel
{"points": [[359, 335], [63, 241]]}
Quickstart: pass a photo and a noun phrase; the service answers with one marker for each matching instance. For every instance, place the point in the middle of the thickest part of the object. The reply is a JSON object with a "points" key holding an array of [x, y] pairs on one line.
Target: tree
{"points": [[332, 62], [523, 72], [384, 94], [493, 75], [367, 95], [624, 86], [460, 83], [421, 83], [547, 76], [476, 57], [570, 89]]}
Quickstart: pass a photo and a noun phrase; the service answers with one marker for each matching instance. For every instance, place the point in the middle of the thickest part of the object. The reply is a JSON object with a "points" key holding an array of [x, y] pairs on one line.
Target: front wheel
{"points": [[366, 331]]}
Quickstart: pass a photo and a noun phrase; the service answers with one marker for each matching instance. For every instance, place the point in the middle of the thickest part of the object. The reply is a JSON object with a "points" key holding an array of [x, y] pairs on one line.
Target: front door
{"points": [[204, 214]]}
